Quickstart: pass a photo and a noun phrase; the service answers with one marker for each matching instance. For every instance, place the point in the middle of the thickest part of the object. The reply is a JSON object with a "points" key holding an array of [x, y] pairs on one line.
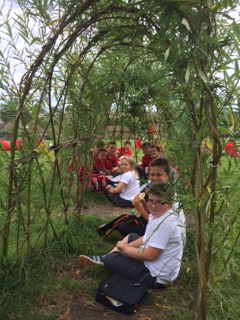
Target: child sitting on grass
{"points": [[128, 186], [154, 258], [100, 169], [125, 150], [159, 172], [155, 151], [112, 158], [146, 146], [101, 164]]}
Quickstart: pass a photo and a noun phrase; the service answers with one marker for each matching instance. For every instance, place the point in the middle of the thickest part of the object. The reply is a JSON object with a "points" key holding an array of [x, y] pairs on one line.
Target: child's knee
{"points": [[132, 237], [110, 260]]}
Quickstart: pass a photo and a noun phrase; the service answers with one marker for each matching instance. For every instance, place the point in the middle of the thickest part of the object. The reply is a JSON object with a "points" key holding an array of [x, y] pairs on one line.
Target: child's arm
{"points": [[115, 169], [136, 243], [118, 188], [141, 206], [117, 152], [148, 254]]}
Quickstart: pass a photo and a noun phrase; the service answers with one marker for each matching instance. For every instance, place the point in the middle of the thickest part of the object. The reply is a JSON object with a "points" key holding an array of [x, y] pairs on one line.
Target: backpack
{"points": [[106, 229], [121, 294]]}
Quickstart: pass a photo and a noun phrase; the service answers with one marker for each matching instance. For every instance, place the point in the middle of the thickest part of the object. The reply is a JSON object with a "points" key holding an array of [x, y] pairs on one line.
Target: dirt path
{"points": [[105, 210], [70, 305]]}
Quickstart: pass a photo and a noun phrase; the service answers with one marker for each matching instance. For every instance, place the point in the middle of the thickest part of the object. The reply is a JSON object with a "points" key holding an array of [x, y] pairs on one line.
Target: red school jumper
{"points": [[123, 152]]}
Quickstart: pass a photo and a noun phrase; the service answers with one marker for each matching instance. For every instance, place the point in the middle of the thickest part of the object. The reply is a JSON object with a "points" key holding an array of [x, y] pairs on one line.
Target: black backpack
{"points": [[121, 294], [106, 229]]}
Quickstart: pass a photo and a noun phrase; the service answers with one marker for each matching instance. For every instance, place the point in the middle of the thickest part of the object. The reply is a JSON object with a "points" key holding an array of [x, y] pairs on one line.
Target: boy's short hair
{"points": [[163, 190], [146, 144], [161, 162], [102, 150], [100, 143], [127, 142], [112, 142], [155, 147]]}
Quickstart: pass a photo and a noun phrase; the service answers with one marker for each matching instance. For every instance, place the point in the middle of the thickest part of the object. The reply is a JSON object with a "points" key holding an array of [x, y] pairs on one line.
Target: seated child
{"points": [[111, 158], [154, 152], [100, 169], [160, 171], [128, 186], [145, 160], [101, 164], [99, 145], [125, 150], [154, 258]]}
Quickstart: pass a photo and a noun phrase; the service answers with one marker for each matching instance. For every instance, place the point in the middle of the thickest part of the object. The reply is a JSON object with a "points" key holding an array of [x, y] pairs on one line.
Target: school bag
{"points": [[121, 294], [107, 229]]}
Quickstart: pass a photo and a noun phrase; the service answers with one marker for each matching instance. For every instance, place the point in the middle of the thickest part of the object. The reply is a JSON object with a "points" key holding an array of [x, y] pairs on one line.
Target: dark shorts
{"points": [[115, 262], [118, 201]]}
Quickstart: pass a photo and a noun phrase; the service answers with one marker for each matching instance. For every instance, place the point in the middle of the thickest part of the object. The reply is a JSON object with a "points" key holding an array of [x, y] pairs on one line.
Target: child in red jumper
{"points": [[125, 150], [146, 147], [100, 169], [101, 164], [111, 158]]}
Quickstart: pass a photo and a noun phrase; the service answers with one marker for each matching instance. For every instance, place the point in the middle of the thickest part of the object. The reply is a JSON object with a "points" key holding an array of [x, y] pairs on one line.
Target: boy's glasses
{"points": [[156, 203]]}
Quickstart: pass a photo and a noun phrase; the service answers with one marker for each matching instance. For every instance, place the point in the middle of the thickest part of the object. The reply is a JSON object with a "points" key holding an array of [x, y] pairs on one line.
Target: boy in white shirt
{"points": [[154, 258]]}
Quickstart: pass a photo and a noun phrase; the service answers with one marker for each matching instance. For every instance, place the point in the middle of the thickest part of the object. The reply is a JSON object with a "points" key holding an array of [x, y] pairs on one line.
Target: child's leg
{"points": [[95, 185], [125, 240], [102, 181], [115, 262]]}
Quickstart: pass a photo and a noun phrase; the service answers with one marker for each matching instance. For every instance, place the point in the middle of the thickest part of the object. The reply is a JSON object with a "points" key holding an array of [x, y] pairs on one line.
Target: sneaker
{"points": [[86, 261]]}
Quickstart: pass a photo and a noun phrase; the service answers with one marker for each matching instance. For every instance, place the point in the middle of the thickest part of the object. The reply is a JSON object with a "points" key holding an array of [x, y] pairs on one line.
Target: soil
{"points": [[105, 210], [69, 305]]}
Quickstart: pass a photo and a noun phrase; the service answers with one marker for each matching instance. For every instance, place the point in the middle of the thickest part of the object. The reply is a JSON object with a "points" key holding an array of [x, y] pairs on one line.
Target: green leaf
{"points": [[236, 68], [236, 29], [202, 76], [9, 29], [186, 24], [166, 54], [187, 74]]}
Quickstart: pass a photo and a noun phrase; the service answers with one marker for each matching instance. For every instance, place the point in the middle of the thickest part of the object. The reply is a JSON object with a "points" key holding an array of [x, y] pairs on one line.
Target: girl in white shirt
{"points": [[128, 186]]}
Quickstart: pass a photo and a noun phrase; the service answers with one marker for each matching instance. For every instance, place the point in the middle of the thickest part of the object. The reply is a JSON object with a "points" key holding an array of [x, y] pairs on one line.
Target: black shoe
{"points": [[86, 261]]}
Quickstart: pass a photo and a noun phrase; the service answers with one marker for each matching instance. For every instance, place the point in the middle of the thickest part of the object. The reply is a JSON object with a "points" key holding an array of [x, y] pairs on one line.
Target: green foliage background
{"points": [[90, 64]]}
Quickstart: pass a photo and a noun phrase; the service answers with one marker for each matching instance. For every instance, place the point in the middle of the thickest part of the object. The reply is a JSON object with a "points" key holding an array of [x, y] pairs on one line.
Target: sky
{"points": [[17, 70], [12, 8]]}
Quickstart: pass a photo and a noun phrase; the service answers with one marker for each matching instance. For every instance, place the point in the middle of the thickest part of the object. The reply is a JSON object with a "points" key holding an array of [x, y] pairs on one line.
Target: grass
{"points": [[47, 275], [53, 277], [30, 283]]}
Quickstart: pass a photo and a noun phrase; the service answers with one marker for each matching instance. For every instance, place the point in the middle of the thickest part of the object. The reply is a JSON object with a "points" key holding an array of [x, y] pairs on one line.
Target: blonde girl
{"points": [[128, 186]]}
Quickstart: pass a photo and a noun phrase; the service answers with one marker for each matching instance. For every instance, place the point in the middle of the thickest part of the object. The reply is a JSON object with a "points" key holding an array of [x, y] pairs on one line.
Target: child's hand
{"points": [[141, 196], [121, 245], [108, 187]]}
